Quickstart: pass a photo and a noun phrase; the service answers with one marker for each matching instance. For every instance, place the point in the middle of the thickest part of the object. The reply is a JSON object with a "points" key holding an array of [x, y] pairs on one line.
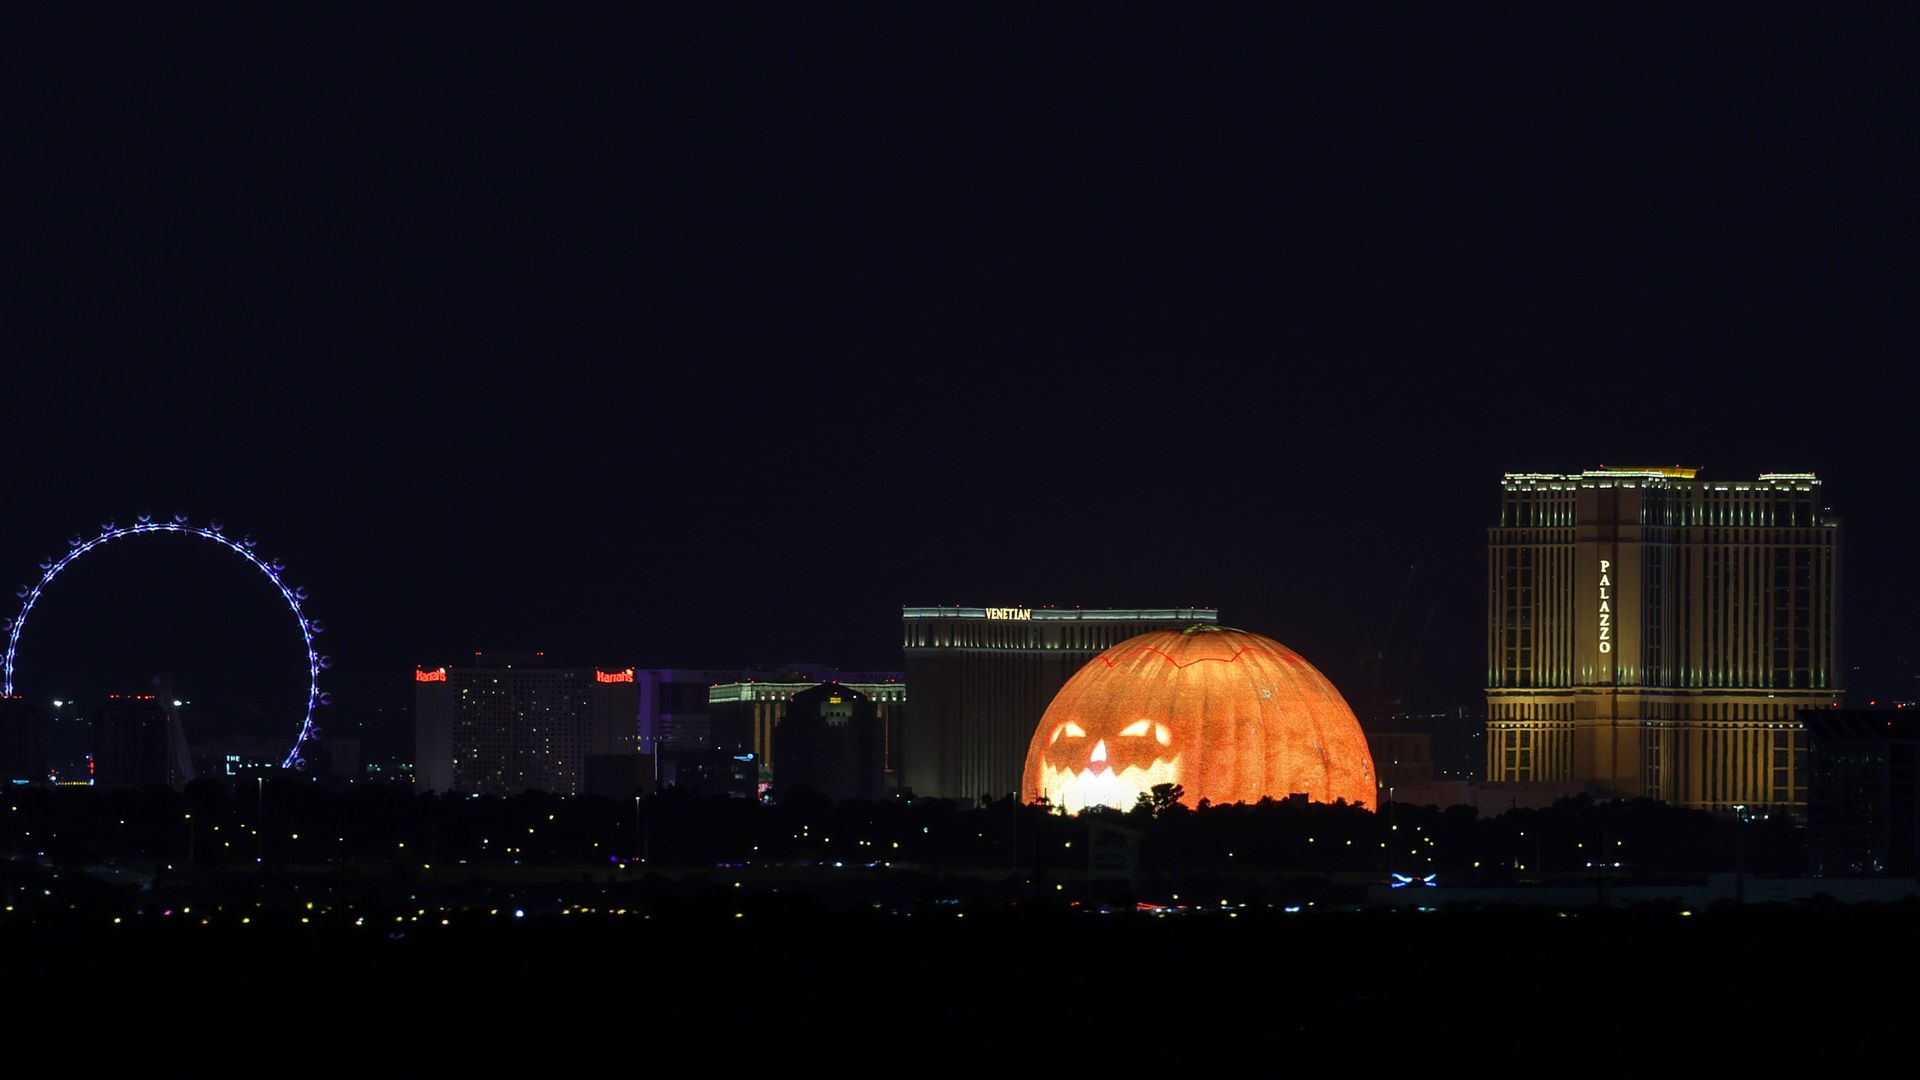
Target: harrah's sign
{"points": [[1606, 606], [1021, 613]]}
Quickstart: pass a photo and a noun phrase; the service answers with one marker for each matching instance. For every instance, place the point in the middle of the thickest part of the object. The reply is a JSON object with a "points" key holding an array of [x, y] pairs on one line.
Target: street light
{"points": [[1390, 829], [1740, 854]]}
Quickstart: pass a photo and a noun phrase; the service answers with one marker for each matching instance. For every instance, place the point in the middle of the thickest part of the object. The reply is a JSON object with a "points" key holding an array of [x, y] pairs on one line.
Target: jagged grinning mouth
{"points": [[1078, 789]]}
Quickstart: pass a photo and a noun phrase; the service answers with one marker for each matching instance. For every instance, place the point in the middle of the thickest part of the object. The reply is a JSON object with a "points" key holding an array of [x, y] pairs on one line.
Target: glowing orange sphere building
{"points": [[1228, 715]]}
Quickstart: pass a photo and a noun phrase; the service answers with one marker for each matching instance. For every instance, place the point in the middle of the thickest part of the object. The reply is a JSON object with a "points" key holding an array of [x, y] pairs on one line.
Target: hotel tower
{"points": [[1653, 633], [982, 676]]}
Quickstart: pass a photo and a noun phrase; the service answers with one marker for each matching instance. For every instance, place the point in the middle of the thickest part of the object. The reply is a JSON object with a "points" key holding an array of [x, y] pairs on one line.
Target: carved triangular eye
{"points": [[1070, 729], [1137, 728]]}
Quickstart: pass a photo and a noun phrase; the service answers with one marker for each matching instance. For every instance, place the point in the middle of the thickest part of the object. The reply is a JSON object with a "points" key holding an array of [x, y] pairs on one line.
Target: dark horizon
{"points": [[696, 339]]}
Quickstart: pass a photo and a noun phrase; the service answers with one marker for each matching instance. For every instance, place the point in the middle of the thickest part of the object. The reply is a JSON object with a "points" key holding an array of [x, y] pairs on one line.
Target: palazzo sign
{"points": [[1606, 607]]}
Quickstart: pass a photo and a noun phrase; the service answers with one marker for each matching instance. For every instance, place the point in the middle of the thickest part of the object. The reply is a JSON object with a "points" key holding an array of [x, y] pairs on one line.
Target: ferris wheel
{"points": [[294, 596]]}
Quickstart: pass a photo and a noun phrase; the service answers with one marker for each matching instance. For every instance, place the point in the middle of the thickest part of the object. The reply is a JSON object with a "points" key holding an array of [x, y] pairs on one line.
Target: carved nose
{"points": [[1099, 751]]}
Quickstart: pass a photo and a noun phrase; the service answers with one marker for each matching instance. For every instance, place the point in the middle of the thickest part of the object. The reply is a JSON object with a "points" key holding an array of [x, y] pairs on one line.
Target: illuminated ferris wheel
{"points": [[244, 547]]}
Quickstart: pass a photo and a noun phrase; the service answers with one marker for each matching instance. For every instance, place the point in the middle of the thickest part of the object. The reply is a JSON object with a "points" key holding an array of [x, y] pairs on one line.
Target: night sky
{"points": [[710, 335]]}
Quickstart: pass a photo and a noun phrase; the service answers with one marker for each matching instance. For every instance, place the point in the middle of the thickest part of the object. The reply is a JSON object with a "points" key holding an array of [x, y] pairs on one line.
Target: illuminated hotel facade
{"points": [[508, 724], [982, 677], [745, 711], [1653, 633]]}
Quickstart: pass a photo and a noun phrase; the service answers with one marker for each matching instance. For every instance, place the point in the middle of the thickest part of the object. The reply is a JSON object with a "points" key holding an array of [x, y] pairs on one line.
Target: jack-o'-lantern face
{"points": [[1230, 717], [1107, 765]]}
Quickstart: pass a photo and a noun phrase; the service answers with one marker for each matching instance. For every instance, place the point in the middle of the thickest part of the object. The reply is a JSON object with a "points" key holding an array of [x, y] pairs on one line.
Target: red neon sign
{"points": [[613, 676], [436, 675]]}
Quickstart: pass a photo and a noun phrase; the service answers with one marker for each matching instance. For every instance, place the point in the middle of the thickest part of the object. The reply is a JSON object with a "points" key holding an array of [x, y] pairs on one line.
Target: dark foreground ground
{"points": [[1015, 992]]}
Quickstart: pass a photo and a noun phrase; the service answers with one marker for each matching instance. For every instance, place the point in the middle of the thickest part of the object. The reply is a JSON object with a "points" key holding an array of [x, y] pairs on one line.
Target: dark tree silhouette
{"points": [[1161, 800]]}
